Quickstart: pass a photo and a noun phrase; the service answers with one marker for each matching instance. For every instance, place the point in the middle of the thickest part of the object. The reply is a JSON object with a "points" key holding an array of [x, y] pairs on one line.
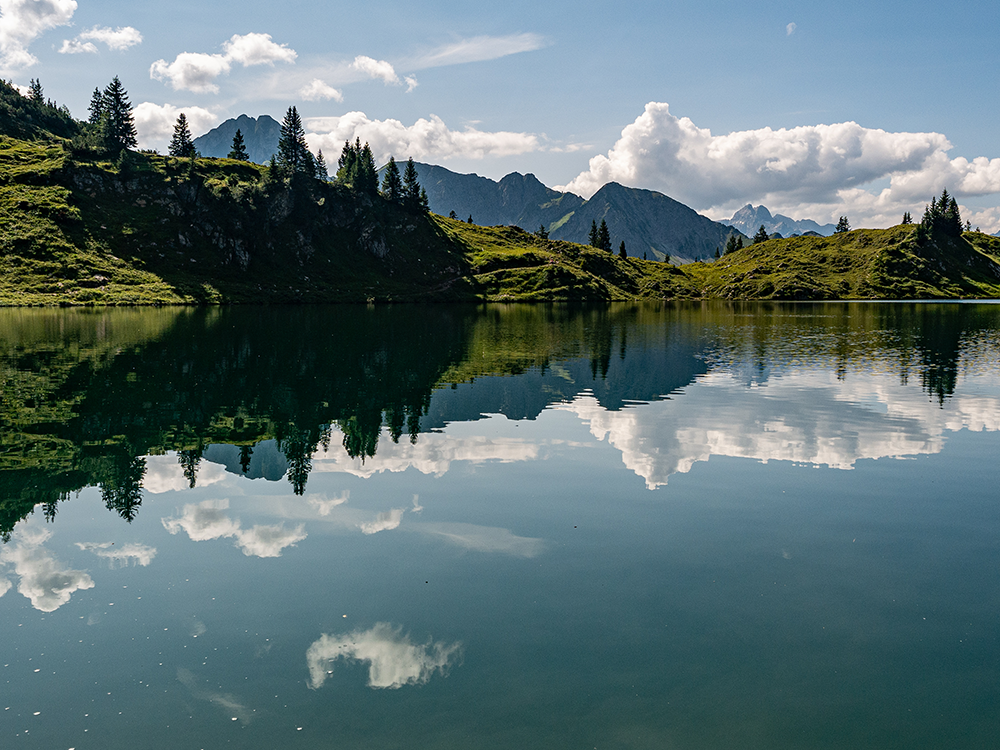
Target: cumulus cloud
{"points": [[817, 170], [23, 21], [394, 659], [136, 554], [384, 521], [119, 39], [425, 139], [325, 505], [155, 125], [197, 71], [206, 521], [317, 90], [4, 585], [378, 69], [46, 582]]}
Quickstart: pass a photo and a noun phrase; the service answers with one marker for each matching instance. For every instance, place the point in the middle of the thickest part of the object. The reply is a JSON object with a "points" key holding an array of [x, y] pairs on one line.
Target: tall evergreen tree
{"points": [[392, 183], [96, 107], [843, 225], [293, 153], [604, 237], [121, 132], [542, 232], [35, 92], [411, 188], [593, 239], [181, 143], [761, 235], [321, 173], [239, 150], [621, 250], [907, 219], [367, 179]]}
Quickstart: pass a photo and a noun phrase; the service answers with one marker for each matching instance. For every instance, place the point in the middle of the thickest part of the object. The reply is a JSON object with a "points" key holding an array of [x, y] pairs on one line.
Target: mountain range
{"points": [[750, 219], [260, 135]]}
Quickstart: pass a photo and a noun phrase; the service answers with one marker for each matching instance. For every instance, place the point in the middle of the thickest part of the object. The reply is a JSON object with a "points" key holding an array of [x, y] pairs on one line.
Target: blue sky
{"points": [[815, 110]]}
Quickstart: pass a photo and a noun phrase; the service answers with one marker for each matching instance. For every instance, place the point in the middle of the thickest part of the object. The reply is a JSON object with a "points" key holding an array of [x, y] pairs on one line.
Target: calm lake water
{"points": [[678, 526]]}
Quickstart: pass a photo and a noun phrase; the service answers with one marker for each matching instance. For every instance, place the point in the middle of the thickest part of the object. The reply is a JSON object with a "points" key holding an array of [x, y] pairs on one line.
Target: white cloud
{"points": [[46, 582], [23, 21], [478, 49], [230, 704], [483, 538], [818, 171], [4, 585], [257, 49], [197, 71], [317, 90], [76, 47], [411, 83], [325, 505], [155, 125], [790, 29], [205, 521], [394, 659], [119, 39], [137, 554], [384, 521], [163, 473], [425, 139], [378, 69]]}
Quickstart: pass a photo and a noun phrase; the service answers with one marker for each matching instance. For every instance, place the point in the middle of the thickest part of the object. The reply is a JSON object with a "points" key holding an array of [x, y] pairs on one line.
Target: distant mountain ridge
{"points": [[750, 219], [260, 135]]}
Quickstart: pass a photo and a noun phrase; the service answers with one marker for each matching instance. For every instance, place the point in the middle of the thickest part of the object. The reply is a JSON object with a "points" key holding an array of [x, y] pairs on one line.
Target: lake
{"points": [[633, 526]]}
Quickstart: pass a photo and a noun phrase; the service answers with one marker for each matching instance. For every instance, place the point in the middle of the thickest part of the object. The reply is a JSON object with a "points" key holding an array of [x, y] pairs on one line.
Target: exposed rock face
{"points": [[749, 219], [260, 135]]}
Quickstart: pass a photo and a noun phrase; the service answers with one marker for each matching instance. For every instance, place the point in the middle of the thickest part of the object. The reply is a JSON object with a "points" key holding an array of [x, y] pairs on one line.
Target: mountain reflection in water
{"points": [[95, 398]]}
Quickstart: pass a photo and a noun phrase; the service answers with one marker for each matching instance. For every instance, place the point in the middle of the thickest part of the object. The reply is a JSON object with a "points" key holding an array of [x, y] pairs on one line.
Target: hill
{"points": [[260, 135]]}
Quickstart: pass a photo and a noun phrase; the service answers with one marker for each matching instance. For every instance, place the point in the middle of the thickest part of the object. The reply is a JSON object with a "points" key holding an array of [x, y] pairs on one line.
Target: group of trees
{"points": [[599, 236], [941, 217], [111, 124], [405, 190], [735, 242]]}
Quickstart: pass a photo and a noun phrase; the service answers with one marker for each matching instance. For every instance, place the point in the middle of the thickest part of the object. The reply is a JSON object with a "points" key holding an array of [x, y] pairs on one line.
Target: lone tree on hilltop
{"points": [[542, 233], [604, 237], [239, 150], [117, 108], [293, 153], [181, 143], [392, 183], [761, 235], [843, 226]]}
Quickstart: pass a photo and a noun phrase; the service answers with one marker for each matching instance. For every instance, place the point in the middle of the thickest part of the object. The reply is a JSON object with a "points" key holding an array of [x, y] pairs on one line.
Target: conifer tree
{"points": [[35, 92], [469, 220], [411, 188], [96, 107], [593, 238], [181, 143], [604, 237], [239, 150], [321, 173], [452, 214], [293, 154], [392, 183], [843, 225], [423, 205], [121, 132], [621, 250], [907, 219], [761, 235], [542, 232]]}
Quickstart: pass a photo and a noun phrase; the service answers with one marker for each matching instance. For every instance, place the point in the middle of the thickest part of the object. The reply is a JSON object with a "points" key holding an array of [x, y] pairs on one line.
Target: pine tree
{"points": [[717, 253], [35, 92], [621, 250], [593, 239], [392, 183], [411, 188], [469, 220], [843, 226], [181, 143], [293, 153], [121, 132], [761, 235], [907, 219], [96, 107], [321, 172], [542, 233], [239, 150], [423, 204], [452, 214], [604, 237]]}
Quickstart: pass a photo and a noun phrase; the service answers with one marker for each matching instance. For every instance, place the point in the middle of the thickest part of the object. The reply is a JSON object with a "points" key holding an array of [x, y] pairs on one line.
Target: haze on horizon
{"points": [[812, 111]]}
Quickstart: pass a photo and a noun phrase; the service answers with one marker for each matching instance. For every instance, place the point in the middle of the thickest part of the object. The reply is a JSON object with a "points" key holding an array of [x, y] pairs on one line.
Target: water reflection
{"points": [[43, 580], [394, 660], [171, 399], [206, 521]]}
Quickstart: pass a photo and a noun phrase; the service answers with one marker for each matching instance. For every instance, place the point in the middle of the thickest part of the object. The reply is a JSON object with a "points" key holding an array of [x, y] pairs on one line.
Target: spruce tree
{"points": [[423, 205], [452, 214], [239, 150], [907, 219], [604, 237], [843, 226], [621, 250], [96, 107], [411, 188], [367, 179], [321, 173], [593, 239], [181, 143], [121, 132], [392, 183], [469, 220], [293, 153], [761, 235], [35, 92], [542, 232]]}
